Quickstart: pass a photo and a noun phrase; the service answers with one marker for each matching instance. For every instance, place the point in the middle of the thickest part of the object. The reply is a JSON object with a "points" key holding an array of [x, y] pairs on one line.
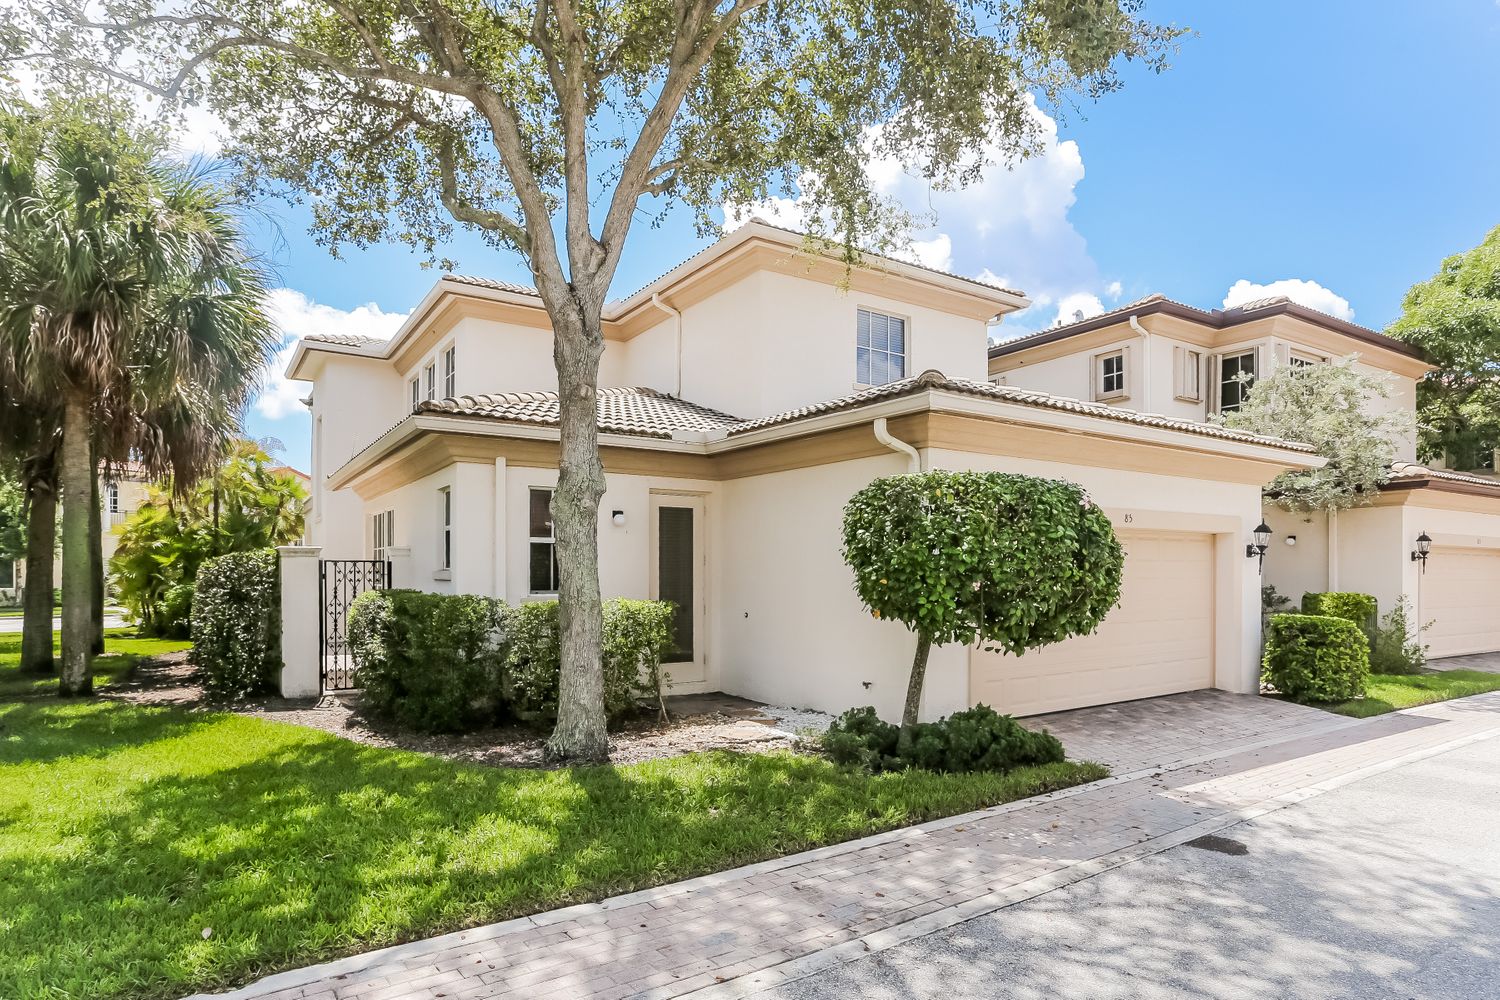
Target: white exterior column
{"points": [[301, 657], [498, 561], [403, 573]]}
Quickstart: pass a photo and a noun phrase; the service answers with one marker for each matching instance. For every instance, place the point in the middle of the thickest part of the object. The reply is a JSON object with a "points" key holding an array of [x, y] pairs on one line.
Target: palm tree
{"points": [[129, 296]]}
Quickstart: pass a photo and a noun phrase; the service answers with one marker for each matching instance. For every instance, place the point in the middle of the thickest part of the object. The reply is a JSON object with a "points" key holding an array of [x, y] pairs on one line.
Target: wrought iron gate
{"points": [[340, 581]]}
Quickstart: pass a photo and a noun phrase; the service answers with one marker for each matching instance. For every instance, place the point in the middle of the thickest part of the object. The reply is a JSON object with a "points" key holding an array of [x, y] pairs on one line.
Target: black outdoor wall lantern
{"points": [[1424, 546], [1257, 548]]}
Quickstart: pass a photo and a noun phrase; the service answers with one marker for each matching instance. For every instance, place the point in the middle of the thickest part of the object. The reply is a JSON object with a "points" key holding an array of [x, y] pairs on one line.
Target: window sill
{"points": [[1188, 399], [1119, 397], [443, 574]]}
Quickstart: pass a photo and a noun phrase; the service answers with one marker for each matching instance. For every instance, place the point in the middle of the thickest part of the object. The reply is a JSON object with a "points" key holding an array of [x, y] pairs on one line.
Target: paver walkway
{"points": [[1184, 767]]}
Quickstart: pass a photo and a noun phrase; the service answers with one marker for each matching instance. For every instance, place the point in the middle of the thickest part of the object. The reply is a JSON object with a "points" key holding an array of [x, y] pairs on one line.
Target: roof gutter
{"points": [[676, 315], [1145, 359], [884, 436]]}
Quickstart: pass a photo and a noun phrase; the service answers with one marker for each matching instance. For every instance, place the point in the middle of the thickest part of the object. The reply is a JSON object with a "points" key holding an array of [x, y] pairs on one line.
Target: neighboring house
{"points": [[745, 396], [119, 497], [1161, 356]]}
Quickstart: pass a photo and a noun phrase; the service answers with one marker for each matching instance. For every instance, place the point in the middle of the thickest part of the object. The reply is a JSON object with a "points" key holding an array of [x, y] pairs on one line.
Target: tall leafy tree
{"points": [[1454, 317], [129, 294], [551, 126]]}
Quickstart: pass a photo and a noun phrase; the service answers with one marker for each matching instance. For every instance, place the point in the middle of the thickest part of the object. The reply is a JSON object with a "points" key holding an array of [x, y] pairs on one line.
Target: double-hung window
{"points": [[445, 528], [382, 534], [416, 391], [543, 543], [450, 372], [112, 497], [880, 354], [1109, 375], [1236, 375], [429, 375]]}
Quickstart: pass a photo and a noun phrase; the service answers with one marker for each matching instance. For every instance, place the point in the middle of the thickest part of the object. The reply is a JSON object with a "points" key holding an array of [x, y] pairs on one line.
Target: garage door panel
{"points": [[1460, 595], [1160, 639]]}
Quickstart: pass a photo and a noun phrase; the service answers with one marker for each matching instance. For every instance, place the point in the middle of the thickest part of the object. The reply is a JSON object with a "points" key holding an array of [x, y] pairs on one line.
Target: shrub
{"points": [[1357, 608], [636, 635], [976, 739], [1316, 658], [175, 616], [1393, 648], [236, 623], [431, 662]]}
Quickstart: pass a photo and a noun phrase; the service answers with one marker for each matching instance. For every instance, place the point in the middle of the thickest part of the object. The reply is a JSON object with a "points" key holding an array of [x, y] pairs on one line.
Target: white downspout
{"points": [[1333, 550], [884, 436], [677, 327], [1145, 362]]}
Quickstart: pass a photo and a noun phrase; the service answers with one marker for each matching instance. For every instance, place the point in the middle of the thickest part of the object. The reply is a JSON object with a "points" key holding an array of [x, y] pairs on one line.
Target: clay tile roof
{"points": [[344, 339], [639, 411], [1407, 471], [1010, 394], [495, 283]]}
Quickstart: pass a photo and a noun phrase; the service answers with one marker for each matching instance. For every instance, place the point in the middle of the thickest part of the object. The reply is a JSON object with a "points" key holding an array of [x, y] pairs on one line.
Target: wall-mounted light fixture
{"points": [[1257, 548], [1290, 539], [1424, 546], [618, 517]]}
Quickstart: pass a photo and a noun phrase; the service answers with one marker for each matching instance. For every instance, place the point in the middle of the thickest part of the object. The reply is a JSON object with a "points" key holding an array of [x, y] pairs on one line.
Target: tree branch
{"points": [[465, 211]]}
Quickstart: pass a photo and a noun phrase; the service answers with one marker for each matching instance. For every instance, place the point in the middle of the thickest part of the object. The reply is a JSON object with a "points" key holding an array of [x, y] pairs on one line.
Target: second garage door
{"points": [[1461, 597], [1160, 640]]}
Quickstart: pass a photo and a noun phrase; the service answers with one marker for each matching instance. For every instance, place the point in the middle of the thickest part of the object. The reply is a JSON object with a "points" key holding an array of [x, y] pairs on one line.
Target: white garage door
{"points": [[1160, 640], [1461, 597]]}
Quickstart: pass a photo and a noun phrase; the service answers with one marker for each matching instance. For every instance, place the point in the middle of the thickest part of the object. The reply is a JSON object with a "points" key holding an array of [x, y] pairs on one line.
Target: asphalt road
{"points": [[1389, 887]]}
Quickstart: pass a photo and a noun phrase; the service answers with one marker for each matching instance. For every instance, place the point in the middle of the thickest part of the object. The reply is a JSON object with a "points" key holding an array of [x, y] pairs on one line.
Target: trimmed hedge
{"points": [[1316, 658], [977, 739], [437, 662], [431, 662], [1357, 608], [236, 623]]}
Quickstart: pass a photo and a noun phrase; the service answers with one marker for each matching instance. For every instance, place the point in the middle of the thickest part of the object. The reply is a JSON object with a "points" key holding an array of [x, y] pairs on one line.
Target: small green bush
{"points": [[976, 739], [236, 623], [175, 616], [1316, 658], [1357, 608], [533, 661], [431, 662], [1393, 647]]}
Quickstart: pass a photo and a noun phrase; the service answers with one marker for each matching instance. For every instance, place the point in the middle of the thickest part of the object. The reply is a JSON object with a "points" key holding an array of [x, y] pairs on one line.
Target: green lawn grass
{"points": [[127, 832], [1389, 692], [122, 650]]}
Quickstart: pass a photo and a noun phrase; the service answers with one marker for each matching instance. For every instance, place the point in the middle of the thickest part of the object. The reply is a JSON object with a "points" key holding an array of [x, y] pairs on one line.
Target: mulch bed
{"points": [[169, 681]]}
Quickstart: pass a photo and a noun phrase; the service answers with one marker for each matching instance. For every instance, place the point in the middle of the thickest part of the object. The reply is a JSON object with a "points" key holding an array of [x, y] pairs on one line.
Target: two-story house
{"points": [[745, 395], [1161, 356]]}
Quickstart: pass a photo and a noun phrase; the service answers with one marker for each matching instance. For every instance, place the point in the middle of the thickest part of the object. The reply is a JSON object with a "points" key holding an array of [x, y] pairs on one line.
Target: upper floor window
{"points": [[1302, 360], [450, 372], [429, 375], [1187, 377], [543, 544], [416, 391], [445, 528], [1236, 375], [112, 497], [1109, 375], [880, 355], [382, 533]]}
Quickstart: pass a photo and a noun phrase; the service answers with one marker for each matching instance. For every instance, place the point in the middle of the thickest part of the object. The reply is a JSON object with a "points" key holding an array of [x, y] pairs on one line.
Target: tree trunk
{"points": [[41, 546], [914, 693], [96, 563], [77, 476], [580, 734]]}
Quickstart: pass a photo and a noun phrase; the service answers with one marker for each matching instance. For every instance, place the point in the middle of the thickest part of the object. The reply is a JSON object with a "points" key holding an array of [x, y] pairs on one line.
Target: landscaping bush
{"points": [[175, 614], [236, 623], [432, 662], [1357, 608], [636, 635], [1316, 658], [1393, 648], [977, 739]]}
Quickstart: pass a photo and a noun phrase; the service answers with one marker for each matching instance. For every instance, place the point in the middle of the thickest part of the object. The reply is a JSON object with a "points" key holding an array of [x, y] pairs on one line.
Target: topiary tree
{"points": [[1017, 562]]}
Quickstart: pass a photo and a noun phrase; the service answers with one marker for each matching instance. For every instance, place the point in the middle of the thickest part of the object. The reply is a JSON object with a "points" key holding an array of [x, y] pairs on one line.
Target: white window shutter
{"points": [[1211, 382], [1283, 352]]}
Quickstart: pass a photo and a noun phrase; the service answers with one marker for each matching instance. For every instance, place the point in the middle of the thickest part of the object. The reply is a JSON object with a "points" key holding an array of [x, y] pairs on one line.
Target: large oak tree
{"points": [[552, 126]]}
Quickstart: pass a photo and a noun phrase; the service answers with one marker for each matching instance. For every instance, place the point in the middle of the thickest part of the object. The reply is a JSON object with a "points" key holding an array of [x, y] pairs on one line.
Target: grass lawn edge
{"points": [[1388, 693]]}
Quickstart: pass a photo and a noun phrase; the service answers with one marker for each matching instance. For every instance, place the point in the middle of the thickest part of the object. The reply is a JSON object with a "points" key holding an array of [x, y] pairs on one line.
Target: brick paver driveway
{"points": [[1488, 662], [1184, 766]]}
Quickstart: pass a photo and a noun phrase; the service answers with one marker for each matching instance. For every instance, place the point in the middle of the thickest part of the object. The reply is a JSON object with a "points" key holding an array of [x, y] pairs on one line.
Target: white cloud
{"points": [[935, 253], [1114, 289], [1299, 290], [1077, 306], [298, 316]]}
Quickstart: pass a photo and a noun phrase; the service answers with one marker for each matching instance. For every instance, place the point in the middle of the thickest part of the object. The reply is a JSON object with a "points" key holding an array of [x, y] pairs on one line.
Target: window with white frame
{"points": [[429, 374], [1109, 375], [112, 497], [1236, 374], [543, 543], [416, 391], [1302, 360], [445, 528], [450, 372], [880, 353], [382, 534], [1187, 375]]}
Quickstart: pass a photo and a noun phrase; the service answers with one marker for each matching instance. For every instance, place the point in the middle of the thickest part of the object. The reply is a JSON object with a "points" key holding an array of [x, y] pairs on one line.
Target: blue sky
{"points": [[1342, 147]]}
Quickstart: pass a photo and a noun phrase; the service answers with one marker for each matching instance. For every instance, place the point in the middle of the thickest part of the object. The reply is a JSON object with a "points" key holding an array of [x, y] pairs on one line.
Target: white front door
{"points": [[678, 570]]}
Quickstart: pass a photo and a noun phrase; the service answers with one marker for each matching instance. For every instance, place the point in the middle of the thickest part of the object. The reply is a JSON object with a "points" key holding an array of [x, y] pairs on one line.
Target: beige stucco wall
{"points": [[1303, 568], [355, 400]]}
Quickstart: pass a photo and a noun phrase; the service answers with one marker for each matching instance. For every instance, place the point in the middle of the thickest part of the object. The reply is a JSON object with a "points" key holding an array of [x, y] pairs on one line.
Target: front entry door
{"points": [[678, 568]]}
